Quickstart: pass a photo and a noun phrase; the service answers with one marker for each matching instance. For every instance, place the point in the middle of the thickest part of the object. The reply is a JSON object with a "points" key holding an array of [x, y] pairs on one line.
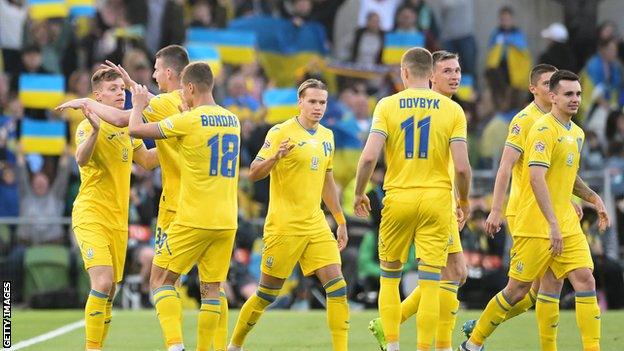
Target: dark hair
{"points": [[540, 69], [174, 57], [103, 75], [443, 55], [606, 42], [559, 76], [200, 75], [310, 84], [507, 9], [418, 61]]}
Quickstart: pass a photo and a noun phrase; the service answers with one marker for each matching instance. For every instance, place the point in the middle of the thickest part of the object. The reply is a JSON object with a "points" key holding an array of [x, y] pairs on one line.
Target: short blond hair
{"points": [[418, 62], [103, 75], [310, 84]]}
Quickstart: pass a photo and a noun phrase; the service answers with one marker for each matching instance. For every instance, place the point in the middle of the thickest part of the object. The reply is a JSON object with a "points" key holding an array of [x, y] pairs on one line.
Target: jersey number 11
{"points": [[423, 144]]}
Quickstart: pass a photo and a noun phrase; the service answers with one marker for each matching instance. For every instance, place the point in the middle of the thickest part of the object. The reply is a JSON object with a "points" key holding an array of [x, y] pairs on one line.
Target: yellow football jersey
{"points": [[518, 130], [558, 147], [297, 180], [208, 140], [159, 108], [104, 193], [418, 125]]}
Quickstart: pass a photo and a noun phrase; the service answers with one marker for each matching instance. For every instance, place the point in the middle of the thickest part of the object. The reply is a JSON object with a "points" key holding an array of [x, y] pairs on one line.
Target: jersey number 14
{"points": [[423, 143], [229, 155]]}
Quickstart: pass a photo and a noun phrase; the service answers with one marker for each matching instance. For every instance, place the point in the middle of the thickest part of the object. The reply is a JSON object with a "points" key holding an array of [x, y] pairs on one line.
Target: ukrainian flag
{"points": [[466, 91], [513, 48], [235, 47], [43, 9], [281, 104], [395, 44], [81, 8], [41, 90], [207, 54], [43, 137]]}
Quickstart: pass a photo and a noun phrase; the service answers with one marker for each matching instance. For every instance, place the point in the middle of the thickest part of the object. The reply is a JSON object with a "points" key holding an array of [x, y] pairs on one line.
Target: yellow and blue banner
{"points": [[44, 9], [285, 49], [44, 91], [281, 104], [81, 8], [466, 91], [235, 47], [43, 137], [207, 54], [511, 46], [396, 44]]}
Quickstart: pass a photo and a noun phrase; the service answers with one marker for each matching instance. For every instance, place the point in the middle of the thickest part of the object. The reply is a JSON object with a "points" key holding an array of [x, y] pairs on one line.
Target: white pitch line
{"points": [[47, 336]]}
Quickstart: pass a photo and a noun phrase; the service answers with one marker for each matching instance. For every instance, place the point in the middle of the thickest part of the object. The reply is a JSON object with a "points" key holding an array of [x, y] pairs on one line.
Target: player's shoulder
{"points": [[84, 124], [325, 132], [544, 125], [578, 131]]}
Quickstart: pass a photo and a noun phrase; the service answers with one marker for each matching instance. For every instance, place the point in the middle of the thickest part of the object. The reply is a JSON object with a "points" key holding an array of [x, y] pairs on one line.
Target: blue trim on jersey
{"points": [[161, 131], [585, 293], [311, 131], [380, 132], [458, 139], [540, 164], [514, 146], [567, 127]]}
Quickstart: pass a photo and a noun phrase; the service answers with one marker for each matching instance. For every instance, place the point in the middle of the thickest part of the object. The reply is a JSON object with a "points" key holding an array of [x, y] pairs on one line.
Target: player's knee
{"points": [[336, 288], [515, 291], [102, 283], [209, 290], [583, 280]]}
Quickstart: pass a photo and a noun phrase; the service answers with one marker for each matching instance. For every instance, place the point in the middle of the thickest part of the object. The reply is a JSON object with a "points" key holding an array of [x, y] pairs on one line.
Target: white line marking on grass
{"points": [[47, 336]]}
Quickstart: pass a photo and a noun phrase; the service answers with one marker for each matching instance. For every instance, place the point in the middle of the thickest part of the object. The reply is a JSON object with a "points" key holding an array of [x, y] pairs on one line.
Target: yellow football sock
{"points": [[108, 316], [547, 313], [169, 309], [409, 306], [523, 305], [588, 319], [207, 322], [95, 314], [492, 316], [251, 312], [390, 303], [220, 338], [429, 307], [448, 314], [338, 313]]}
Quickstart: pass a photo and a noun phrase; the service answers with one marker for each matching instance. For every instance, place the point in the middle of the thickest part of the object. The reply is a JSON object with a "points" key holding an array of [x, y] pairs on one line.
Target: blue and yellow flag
{"points": [[81, 8], [43, 137], [235, 47], [395, 45], [207, 54], [44, 9], [466, 91], [281, 104], [41, 90]]}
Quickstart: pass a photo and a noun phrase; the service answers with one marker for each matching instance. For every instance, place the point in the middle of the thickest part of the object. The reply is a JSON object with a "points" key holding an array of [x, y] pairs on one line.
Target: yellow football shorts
{"points": [[102, 246], [282, 252], [420, 216], [181, 247], [530, 257], [165, 218], [454, 241]]}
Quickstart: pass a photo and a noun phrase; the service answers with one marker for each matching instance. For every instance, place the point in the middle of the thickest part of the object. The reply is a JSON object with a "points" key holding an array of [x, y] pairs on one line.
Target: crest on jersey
{"points": [[570, 159], [89, 253], [540, 146], [269, 262], [124, 154], [515, 129], [314, 164], [519, 267]]}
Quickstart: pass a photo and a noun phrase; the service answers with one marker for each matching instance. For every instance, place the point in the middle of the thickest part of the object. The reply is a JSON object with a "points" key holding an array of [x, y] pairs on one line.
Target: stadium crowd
{"points": [[129, 33]]}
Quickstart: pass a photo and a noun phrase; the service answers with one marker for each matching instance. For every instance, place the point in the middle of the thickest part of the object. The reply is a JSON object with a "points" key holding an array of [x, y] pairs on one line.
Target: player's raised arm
{"points": [[136, 127], [110, 114], [86, 136], [332, 201], [586, 193], [366, 166], [145, 158], [503, 176], [273, 150]]}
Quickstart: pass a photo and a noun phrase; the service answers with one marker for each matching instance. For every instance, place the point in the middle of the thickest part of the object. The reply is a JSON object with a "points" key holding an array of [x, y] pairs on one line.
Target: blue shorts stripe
{"points": [[589, 293], [428, 276], [265, 296], [340, 292]]}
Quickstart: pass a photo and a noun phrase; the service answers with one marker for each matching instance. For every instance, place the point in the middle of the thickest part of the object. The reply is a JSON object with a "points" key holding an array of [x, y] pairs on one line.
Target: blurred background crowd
{"points": [[260, 50]]}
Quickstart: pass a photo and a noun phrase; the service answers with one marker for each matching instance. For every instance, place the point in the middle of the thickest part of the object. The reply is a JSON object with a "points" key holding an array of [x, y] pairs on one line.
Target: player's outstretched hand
{"points": [[140, 96], [93, 119], [556, 241], [75, 104], [284, 149], [119, 69], [603, 217], [578, 209], [361, 205], [493, 223], [342, 236]]}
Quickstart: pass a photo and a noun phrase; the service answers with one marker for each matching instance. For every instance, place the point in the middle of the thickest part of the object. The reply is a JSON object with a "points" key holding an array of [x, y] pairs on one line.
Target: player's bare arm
{"points": [[148, 159], [503, 176], [136, 127], [586, 193], [537, 176], [366, 166], [84, 151], [260, 169], [463, 176], [118, 118], [332, 201]]}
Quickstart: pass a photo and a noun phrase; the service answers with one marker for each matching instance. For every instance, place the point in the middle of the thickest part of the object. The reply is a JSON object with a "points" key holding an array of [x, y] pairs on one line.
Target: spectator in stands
{"points": [[558, 53], [31, 63], [52, 37], [143, 198], [581, 18], [457, 32], [425, 22], [139, 68], [614, 129], [405, 21], [13, 15], [324, 12], [592, 154], [385, 9], [368, 42], [78, 86], [248, 8], [9, 196], [39, 199], [4, 90], [202, 15], [239, 101], [163, 21]]}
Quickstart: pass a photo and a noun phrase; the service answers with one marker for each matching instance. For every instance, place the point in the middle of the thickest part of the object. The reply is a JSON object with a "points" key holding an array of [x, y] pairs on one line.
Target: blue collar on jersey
{"points": [[311, 131]]}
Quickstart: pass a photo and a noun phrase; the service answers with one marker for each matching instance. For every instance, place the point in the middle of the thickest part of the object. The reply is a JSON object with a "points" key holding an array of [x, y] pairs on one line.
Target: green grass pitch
{"points": [[289, 330]]}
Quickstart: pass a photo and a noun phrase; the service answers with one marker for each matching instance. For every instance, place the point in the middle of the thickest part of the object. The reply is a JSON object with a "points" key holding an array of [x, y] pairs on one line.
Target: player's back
{"points": [[419, 125], [209, 145]]}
